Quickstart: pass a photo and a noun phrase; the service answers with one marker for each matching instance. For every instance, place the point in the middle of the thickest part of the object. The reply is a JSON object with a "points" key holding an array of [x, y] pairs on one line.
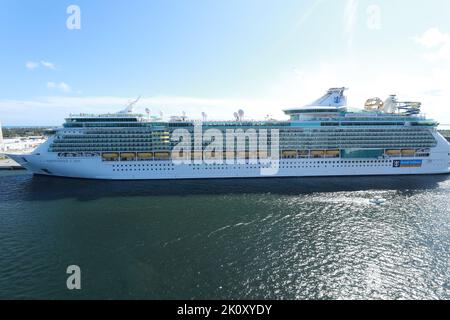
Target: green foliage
{"points": [[23, 132]]}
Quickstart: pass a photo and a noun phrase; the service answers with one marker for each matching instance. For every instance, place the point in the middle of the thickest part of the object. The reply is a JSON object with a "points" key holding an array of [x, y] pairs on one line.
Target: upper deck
{"points": [[341, 119], [327, 111]]}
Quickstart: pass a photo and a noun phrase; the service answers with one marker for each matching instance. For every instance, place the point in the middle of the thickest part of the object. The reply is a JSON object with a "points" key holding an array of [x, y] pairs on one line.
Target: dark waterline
{"points": [[305, 238]]}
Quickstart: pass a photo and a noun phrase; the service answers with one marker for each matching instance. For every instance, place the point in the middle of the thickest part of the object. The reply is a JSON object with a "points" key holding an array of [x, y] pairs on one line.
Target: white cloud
{"points": [[62, 86], [31, 65], [433, 37], [48, 65], [437, 43], [51, 85]]}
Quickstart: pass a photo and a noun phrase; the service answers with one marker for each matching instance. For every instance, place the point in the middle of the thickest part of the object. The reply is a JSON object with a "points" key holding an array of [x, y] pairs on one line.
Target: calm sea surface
{"points": [[303, 238]]}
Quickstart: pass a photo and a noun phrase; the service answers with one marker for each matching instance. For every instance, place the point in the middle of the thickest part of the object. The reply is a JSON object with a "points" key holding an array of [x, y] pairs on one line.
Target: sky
{"points": [[262, 56]]}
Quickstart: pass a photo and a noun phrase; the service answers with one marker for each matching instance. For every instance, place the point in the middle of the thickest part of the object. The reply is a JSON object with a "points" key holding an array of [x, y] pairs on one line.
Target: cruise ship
{"points": [[324, 138]]}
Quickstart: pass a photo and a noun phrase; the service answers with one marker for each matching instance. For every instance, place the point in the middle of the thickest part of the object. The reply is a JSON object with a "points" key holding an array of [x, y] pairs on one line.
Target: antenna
{"points": [[147, 110], [204, 116]]}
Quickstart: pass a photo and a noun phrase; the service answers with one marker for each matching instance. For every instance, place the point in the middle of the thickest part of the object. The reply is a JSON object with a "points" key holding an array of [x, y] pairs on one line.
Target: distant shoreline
{"points": [[21, 132], [28, 127]]}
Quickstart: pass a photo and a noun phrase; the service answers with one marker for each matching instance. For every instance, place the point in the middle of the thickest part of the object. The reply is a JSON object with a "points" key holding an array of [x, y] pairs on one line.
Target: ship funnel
{"points": [[333, 98]]}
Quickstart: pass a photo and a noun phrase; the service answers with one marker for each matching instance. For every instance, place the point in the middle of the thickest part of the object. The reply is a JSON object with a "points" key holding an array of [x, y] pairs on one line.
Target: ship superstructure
{"points": [[320, 139]]}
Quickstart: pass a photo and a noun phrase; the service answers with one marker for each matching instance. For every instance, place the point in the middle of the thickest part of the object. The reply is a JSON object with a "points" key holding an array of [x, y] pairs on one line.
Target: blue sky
{"points": [[218, 56]]}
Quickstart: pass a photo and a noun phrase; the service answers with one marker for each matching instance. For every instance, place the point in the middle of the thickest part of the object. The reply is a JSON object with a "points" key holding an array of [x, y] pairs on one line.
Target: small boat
{"points": [[287, 154], [378, 200], [393, 152]]}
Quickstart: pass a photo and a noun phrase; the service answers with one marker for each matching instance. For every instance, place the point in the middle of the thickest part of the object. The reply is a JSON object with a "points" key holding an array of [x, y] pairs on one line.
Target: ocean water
{"points": [[302, 238]]}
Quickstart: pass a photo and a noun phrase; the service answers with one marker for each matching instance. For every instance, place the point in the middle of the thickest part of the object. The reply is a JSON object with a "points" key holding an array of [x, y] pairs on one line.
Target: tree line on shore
{"points": [[23, 132]]}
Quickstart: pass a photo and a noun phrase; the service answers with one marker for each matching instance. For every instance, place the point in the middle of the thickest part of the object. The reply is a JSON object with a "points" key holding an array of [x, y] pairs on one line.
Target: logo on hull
{"points": [[407, 163]]}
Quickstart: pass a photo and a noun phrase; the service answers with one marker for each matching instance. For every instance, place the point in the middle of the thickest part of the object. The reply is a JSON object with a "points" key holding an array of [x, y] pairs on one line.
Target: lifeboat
{"points": [[110, 156], [332, 153], [241, 155], [289, 154], [162, 155], [197, 155], [253, 155], [127, 156], [145, 155], [263, 155], [408, 152], [213, 155], [303, 153], [317, 153], [181, 155], [393, 152], [230, 154]]}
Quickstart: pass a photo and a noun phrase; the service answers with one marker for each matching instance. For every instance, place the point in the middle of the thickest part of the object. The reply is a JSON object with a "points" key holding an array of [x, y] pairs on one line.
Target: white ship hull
{"points": [[94, 168]]}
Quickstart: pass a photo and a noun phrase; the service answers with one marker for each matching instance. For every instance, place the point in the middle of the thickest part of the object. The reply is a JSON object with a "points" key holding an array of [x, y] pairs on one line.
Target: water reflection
{"points": [[41, 188]]}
